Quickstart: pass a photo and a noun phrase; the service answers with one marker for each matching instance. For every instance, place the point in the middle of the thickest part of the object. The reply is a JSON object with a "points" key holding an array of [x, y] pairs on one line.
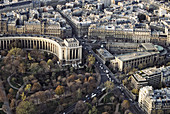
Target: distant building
{"points": [[154, 101], [132, 60], [105, 2], [53, 27]]}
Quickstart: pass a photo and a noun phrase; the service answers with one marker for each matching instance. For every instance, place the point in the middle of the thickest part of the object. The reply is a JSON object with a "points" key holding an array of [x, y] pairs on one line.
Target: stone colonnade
{"points": [[69, 54]]}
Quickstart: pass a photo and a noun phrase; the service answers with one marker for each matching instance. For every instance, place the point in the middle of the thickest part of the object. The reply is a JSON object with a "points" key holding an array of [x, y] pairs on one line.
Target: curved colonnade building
{"points": [[68, 51]]}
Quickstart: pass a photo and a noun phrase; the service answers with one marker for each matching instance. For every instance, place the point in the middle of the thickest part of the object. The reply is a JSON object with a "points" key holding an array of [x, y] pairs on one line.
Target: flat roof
{"points": [[135, 55], [104, 53], [148, 46]]}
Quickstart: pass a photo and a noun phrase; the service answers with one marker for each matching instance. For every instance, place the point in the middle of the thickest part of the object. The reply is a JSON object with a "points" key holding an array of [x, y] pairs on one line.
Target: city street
{"points": [[97, 92]]}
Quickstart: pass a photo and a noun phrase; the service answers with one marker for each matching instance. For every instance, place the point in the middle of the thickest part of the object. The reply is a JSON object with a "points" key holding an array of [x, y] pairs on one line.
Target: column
{"points": [[66, 54], [27, 44], [50, 46], [31, 45], [40, 44], [72, 53], [6, 44], [24, 44], [80, 53], [21, 43], [36, 45], [3, 45], [75, 54], [47, 46], [0, 44]]}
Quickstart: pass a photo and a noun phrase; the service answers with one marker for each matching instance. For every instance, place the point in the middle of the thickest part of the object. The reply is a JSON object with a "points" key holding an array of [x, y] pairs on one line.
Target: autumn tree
{"points": [[36, 86], [26, 107], [22, 68], [50, 63], [93, 110], [125, 104], [12, 104], [107, 108], [94, 101], [59, 90], [79, 93], [91, 60], [34, 68], [109, 85], [80, 108], [135, 91], [140, 66]]}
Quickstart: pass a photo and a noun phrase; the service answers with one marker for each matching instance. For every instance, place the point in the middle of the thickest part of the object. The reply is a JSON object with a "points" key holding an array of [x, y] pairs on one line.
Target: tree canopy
{"points": [[26, 107]]}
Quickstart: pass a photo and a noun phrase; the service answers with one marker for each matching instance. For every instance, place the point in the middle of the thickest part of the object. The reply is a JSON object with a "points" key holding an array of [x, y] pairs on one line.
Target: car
{"points": [[93, 95], [87, 96], [98, 87], [107, 75], [130, 100], [103, 89], [107, 71]]}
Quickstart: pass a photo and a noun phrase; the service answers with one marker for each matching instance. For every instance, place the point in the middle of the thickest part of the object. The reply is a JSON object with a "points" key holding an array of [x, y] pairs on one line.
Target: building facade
{"points": [[133, 60], [154, 101], [68, 51]]}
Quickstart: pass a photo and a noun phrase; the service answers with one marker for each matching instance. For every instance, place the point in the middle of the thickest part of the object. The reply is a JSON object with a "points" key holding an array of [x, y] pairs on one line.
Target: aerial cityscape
{"points": [[84, 56]]}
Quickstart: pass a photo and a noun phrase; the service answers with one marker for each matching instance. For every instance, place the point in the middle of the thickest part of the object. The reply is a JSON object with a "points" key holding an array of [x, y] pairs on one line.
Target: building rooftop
{"points": [[135, 55], [105, 53], [148, 46]]}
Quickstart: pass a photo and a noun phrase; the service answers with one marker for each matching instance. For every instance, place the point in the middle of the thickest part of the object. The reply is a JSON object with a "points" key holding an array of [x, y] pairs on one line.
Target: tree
{"points": [[36, 86], [28, 87], [105, 113], [140, 66], [107, 108], [11, 91], [109, 85], [12, 104], [59, 90], [127, 69], [22, 68], [93, 110], [79, 93], [168, 64], [135, 91], [50, 63], [91, 60], [26, 107], [125, 104], [94, 101], [112, 98], [34, 68], [125, 81], [81, 108], [14, 52], [3, 53], [160, 111], [71, 69]]}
